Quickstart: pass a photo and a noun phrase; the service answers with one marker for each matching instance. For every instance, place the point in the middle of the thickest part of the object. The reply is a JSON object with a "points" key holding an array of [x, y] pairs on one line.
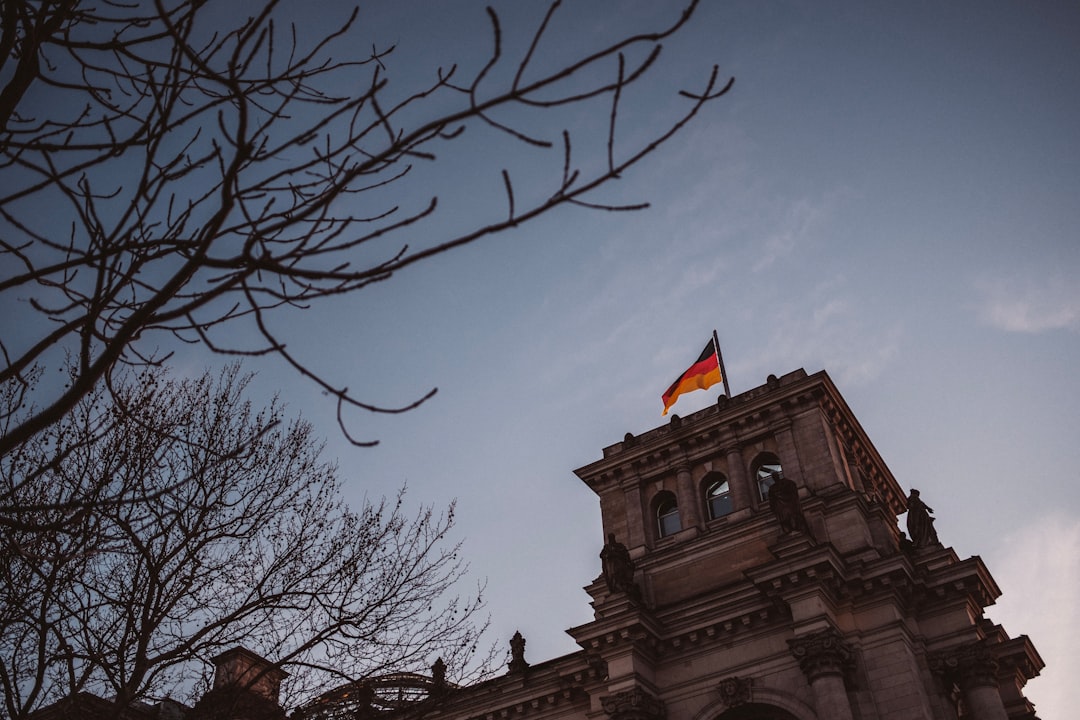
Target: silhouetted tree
{"points": [[167, 175], [241, 538]]}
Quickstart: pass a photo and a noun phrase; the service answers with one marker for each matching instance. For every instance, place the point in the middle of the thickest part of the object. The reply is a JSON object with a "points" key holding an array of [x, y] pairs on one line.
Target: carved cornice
{"points": [[823, 653], [956, 580], [736, 691], [541, 703], [642, 635], [703, 430], [969, 666], [633, 704], [1019, 657], [724, 630]]}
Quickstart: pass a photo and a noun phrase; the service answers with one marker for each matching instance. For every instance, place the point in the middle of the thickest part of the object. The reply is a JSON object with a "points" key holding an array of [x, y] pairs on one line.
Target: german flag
{"points": [[703, 374]]}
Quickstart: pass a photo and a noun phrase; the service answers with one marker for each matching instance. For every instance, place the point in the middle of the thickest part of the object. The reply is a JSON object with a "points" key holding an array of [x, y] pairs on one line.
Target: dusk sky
{"points": [[890, 192]]}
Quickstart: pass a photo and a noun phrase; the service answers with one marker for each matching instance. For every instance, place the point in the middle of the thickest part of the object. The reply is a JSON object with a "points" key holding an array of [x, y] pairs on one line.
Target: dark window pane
{"points": [[720, 506], [765, 478], [669, 523], [718, 498]]}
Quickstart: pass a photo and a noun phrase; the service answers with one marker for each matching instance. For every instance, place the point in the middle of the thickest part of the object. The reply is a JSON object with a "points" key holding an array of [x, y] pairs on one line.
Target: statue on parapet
{"points": [[517, 662], [438, 676], [617, 566], [920, 525], [785, 504]]}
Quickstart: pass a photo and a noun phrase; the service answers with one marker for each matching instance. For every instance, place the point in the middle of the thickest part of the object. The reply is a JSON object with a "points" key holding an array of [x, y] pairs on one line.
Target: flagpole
{"points": [[720, 361]]}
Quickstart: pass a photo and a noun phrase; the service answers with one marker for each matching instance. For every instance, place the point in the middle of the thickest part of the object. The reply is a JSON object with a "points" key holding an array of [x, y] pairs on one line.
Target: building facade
{"points": [[755, 569]]}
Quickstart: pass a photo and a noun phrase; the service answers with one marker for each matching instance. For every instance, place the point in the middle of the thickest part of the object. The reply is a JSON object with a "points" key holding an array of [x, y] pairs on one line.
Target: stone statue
{"points": [[784, 502], [517, 662], [438, 675], [617, 566], [920, 525]]}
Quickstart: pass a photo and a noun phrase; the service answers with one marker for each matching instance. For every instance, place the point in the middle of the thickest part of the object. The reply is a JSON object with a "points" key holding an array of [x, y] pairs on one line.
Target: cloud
{"points": [[1040, 574], [826, 327], [793, 229], [1029, 306]]}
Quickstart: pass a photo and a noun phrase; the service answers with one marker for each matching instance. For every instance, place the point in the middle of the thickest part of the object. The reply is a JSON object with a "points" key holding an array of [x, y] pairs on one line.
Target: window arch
{"points": [[667, 514], [756, 711], [717, 495], [766, 469]]}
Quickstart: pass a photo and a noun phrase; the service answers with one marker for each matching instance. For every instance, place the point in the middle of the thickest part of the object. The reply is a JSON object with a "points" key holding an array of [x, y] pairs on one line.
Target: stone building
{"points": [[754, 569]]}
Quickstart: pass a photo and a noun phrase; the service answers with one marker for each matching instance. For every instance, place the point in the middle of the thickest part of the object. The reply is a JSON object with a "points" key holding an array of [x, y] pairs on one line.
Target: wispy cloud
{"points": [[1029, 305], [1041, 576], [825, 328], [793, 229]]}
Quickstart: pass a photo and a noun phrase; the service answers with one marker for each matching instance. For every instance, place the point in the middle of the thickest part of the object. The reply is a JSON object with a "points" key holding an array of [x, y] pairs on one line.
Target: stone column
{"points": [[974, 669], [788, 452], [688, 501], [633, 704], [825, 658], [636, 520], [740, 486]]}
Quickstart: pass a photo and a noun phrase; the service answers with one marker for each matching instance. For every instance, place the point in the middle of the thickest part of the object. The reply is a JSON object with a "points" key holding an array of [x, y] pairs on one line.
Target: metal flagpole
{"points": [[720, 361]]}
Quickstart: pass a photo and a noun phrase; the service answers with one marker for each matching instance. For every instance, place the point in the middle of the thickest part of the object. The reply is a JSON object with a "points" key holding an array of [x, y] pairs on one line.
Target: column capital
{"points": [[970, 666], [680, 465], [822, 653], [633, 704]]}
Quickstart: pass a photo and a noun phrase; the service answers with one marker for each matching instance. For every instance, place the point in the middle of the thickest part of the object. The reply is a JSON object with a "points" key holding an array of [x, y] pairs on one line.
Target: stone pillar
{"points": [[788, 452], [636, 520], [737, 481], [974, 669], [633, 704], [825, 658], [688, 500]]}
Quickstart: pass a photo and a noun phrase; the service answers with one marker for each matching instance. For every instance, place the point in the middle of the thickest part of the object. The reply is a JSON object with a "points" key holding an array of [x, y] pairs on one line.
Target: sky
{"points": [[890, 192]]}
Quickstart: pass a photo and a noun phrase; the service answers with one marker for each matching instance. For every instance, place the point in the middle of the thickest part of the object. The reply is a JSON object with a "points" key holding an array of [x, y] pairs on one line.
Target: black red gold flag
{"points": [[703, 374]]}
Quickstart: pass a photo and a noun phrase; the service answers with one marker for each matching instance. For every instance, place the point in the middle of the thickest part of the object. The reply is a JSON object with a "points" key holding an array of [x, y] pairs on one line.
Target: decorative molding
{"points": [[736, 691], [633, 704], [823, 653], [540, 703], [969, 666]]}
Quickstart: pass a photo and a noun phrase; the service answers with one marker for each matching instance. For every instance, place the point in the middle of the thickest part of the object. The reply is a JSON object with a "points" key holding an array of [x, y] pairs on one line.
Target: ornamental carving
{"points": [[785, 504], [736, 691], [517, 662], [969, 666], [633, 704], [823, 653], [618, 568]]}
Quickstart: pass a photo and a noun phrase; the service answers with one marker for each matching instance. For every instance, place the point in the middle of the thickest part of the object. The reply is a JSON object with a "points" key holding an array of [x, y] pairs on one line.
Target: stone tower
{"points": [[754, 569], [767, 576]]}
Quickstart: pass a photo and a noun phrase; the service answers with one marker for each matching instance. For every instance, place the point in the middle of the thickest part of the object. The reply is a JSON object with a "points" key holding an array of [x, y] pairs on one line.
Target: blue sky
{"points": [[890, 192]]}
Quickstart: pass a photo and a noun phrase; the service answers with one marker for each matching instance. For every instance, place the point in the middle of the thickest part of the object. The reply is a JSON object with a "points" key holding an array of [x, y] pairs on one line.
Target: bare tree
{"points": [[165, 178], [244, 540]]}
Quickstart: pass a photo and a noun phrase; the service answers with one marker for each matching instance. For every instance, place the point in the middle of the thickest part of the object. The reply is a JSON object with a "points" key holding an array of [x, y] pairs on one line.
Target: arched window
{"points": [[667, 514], [767, 469], [717, 495]]}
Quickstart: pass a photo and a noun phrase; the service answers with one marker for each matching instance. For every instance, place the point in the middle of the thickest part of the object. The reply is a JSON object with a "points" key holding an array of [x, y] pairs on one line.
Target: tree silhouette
{"points": [[166, 178], [244, 540]]}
